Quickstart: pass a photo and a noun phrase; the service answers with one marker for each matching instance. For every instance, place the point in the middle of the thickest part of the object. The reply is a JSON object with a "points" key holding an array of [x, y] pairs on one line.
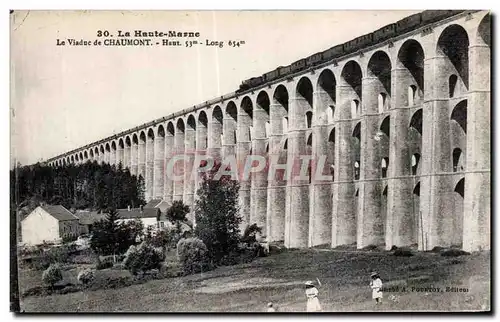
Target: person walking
{"points": [[312, 297], [376, 286], [270, 307]]}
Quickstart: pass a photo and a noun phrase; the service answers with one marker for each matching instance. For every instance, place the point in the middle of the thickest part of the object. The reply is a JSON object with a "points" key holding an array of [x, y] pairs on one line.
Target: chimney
{"points": [[128, 207]]}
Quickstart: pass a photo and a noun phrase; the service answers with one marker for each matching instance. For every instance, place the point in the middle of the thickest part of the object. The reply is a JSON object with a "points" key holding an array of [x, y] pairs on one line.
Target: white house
{"points": [[48, 223], [148, 216]]}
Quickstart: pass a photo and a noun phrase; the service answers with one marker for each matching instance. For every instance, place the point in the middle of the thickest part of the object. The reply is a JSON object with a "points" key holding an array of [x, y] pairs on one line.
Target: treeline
{"points": [[90, 186]]}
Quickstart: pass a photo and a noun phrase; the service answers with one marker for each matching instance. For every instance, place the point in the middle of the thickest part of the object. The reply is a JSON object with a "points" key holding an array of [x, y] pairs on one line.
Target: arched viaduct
{"points": [[405, 126]]}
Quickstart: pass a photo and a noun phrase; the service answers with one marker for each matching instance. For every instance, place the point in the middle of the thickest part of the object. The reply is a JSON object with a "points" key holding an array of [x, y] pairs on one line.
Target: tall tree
{"points": [[217, 214], [177, 211]]}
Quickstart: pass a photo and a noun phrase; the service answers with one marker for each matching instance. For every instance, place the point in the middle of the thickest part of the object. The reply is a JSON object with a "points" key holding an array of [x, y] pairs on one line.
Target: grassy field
{"points": [[279, 279]]}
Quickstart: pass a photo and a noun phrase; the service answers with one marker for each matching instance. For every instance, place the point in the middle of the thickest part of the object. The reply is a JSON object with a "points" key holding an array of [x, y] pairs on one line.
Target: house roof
{"points": [[59, 212], [153, 203], [136, 213], [163, 206], [89, 217]]}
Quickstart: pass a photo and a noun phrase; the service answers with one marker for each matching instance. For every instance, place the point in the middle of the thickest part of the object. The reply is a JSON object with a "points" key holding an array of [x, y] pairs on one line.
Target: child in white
{"points": [[376, 285], [270, 307], [312, 298]]}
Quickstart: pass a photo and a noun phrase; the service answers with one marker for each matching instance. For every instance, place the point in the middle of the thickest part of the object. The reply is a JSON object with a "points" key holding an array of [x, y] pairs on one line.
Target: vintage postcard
{"points": [[250, 161]]}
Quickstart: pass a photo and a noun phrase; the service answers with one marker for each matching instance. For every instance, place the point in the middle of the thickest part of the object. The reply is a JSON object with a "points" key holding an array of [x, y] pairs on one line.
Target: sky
{"points": [[64, 97]]}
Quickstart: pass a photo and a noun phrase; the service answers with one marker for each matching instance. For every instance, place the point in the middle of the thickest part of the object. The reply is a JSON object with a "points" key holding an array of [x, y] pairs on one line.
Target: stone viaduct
{"points": [[405, 125]]}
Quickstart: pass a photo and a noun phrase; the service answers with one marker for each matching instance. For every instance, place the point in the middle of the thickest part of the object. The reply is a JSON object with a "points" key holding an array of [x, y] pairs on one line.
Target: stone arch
{"points": [[453, 43], [72, 159], [383, 102], [191, 122], [284, 145], [356, 150], [379, 66], [202, 134], [113, 145], [384, 165], [416, 121], [416, 222], [459, 114], [460, 187], [76, 157], [383, 139], [160, 131], [86, 155], [309, 119], [245, 120], [385, 126], [305, 90], [458, 213], [355, 109], [232, 121], [411, 78], [280, 108], [120, 143], [128, 141], [326, 88], [415, 142], [142, 137], [216, 131], [457, 156], [309, 147], [415, 162], [151, 135], [107, 147], [302, 117], [101, 149], [261, 119], [351, 79], [203, 119], [135, 139], [180, 127], [483, 35], [91, 153], [452, 85], [170, 129], [416, 189], [331, 153]]}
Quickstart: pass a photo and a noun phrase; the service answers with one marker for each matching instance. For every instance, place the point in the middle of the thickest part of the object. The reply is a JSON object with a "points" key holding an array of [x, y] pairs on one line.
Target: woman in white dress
{"points": [[376, 286], [312, 297]]}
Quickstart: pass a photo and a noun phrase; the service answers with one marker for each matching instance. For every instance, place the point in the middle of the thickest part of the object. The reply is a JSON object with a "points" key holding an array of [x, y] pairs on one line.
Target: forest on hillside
{"points": [[90, 186]]}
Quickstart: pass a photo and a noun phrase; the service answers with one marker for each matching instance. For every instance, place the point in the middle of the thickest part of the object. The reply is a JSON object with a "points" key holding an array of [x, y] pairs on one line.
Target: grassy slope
{"points": [[279, 278]]}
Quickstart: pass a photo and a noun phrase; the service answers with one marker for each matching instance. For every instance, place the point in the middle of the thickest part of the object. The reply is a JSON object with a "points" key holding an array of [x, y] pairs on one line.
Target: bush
{"points": [[164, 238], [405, 252], [43, 259], [143, 258], [86, 276], [52, 275], [454, 252], [193, 255], [177, 211], [103, 264], [250, 233]]}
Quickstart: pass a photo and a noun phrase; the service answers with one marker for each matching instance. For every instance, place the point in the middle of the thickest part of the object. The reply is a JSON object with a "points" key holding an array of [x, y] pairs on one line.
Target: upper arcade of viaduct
{"points": [[382, 62], [404, 123]]}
